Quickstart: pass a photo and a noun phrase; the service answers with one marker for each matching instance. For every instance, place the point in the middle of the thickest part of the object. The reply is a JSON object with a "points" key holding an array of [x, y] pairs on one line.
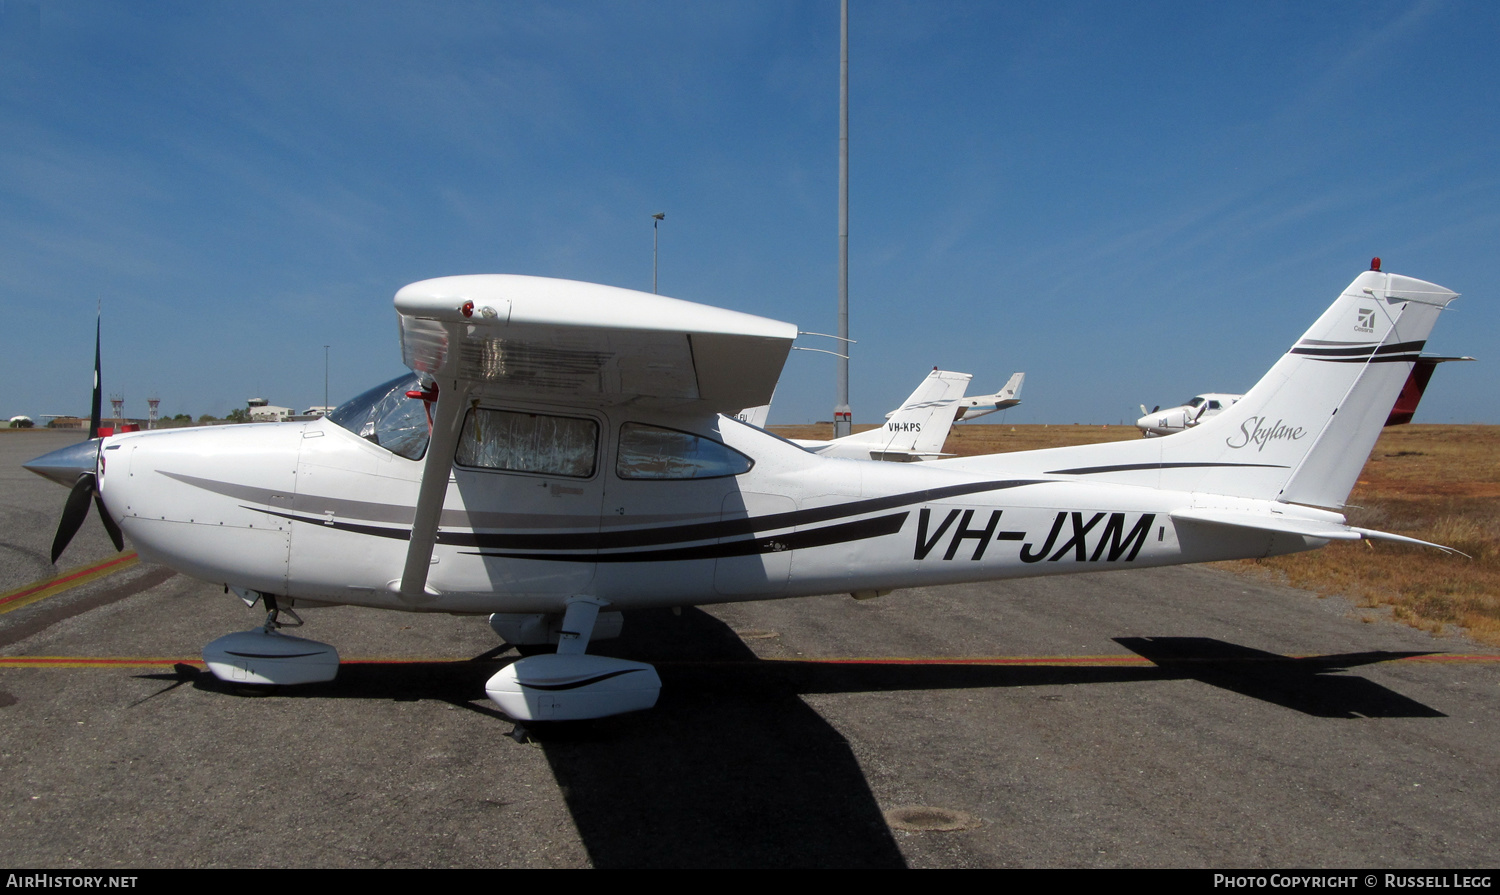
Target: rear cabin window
{"points": [[651, 452], [529, 442]]}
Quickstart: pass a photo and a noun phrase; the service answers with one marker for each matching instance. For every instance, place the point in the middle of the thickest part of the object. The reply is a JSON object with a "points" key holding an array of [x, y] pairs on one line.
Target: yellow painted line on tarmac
{"points": [[156, 661], [94, 661], [41, 590], [1038, 661]]}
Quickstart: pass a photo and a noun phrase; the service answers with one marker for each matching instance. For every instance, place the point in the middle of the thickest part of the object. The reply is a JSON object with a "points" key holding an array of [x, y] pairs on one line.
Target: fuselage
{"points": [[711, 511]]}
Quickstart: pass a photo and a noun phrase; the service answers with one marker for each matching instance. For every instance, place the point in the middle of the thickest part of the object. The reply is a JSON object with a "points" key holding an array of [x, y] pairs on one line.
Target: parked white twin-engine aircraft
{"points": [[918, 429], [1201, 407], [557, 455], [1184, 416]]}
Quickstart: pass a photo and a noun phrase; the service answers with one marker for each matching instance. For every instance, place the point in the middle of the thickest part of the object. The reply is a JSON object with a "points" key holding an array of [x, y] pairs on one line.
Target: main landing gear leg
{"points": [[264, 656], [570, 685], [273, 615]]}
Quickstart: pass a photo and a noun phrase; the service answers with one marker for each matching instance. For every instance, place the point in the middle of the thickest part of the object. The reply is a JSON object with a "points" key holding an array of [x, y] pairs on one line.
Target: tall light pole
{"points": [[325, 380], [843, 423], [655, 219]]}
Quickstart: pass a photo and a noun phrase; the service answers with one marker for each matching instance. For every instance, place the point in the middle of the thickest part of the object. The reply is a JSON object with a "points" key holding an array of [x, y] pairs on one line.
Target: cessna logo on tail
{"points": [[1112, 536], [1255, 431], [1366, 322]]}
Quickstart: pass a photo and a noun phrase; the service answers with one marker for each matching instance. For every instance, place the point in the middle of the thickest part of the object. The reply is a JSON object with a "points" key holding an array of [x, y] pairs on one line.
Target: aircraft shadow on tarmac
{"points": [[724, 772], [1308, 684], [732, 768]]}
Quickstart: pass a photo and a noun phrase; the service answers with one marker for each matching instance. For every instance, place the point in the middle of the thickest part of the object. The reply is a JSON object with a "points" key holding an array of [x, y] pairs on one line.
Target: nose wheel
{"points": [[266, 657]]}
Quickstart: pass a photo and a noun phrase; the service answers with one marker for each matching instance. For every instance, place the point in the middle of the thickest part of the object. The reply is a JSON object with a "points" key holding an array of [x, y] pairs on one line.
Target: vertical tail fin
{"points": [[1303, 433], [1011, 391], [920, 425], [972, 407]]}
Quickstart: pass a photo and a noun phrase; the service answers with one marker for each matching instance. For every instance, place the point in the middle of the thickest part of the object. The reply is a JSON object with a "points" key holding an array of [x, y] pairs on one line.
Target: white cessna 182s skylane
{"points": [[558, 455]]}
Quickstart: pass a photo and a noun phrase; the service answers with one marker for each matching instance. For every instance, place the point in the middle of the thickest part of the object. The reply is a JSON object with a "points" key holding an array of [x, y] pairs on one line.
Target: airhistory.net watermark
{"points": [[59, 881]]}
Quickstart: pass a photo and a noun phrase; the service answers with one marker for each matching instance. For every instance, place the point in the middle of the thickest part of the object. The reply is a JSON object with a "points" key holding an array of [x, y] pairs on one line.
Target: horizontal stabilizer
{"points": [[1329, 529], [1373, 535], [1312, 528]]}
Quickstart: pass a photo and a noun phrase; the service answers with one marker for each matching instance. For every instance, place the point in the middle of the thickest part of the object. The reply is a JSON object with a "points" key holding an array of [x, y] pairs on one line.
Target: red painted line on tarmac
{"points": [[64, 579]]}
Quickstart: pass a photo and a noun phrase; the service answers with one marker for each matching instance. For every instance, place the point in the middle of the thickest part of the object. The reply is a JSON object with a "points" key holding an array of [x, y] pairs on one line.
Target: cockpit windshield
{"points": [[386, 416], [1198, 399]]}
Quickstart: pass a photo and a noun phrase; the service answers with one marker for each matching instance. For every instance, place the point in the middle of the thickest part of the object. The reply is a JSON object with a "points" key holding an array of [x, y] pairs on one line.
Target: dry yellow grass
{"points": [[1435, 483], [971, 440]]}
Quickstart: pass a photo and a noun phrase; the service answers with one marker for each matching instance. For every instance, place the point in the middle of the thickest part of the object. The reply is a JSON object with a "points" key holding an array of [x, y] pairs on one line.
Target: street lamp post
{"points": [[843, 418], [655, 219]]}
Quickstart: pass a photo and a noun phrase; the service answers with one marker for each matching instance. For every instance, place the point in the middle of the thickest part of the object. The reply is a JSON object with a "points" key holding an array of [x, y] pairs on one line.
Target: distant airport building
{"points": [[269, 413]]}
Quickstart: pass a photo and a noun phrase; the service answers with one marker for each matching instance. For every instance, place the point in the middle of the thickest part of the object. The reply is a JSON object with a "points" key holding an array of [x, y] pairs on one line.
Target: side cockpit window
{"points": [[652, 452], [529, 442], [385, 416]]}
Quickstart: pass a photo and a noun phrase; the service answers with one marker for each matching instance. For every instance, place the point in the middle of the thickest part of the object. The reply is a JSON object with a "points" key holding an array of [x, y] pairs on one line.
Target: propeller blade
{"points": [[116, 536], [96, 414], [74, 512]]}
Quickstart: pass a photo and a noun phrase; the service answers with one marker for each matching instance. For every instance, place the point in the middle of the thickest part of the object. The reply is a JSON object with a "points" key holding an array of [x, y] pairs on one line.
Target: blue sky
{"points": [[1132, 202]]}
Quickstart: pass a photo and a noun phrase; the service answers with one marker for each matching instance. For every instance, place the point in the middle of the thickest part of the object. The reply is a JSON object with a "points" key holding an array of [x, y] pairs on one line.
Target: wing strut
{"points": [[447, 422]]}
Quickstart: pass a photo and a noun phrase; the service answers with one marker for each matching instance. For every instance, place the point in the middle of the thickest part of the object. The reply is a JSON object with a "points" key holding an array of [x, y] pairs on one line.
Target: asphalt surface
{"points": [[1157, 718]]}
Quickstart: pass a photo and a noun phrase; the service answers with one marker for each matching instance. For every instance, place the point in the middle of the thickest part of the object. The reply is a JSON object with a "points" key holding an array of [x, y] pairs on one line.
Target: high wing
{"points": [[568, 343]]}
